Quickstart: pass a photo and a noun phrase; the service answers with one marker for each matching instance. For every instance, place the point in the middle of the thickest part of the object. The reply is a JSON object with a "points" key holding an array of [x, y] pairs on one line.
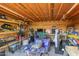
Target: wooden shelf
{"points": [[8, 33], [7, 45], [9, 21], [12, 43], [3, 48]]}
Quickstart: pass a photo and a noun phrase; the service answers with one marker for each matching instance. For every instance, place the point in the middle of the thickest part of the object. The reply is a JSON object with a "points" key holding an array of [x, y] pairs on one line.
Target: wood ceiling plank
{"points": [[47, 11], [40, 7], [71, 9], [41, 12], [55, 10], [52, 11], [9, 15], [59, 10], [31, 12], [13, 7], [74, 18], [50, 8], [38, 10], [75, 13], [65, 8], [23, 10], [11, 11], [32, 7]]}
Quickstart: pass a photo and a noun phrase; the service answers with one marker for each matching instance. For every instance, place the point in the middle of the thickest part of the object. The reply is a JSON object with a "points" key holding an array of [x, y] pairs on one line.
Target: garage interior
{"points": [[25, 26]]}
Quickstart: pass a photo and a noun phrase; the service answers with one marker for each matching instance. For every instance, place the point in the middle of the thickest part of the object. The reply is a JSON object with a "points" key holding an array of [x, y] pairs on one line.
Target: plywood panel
{"points": [[48, 25]]}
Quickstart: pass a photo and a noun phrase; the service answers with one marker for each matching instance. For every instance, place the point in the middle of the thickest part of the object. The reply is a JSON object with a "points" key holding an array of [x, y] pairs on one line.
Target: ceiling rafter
{"points": [[52, 11], [15, 9], [35, 16], [38, 10], [23, 11], [4, 11], [59, 10], [71, 9], [49, 8], [77, 12], [41, 11], [14, 12], [11, 11], [46, 12], [9, 15]]}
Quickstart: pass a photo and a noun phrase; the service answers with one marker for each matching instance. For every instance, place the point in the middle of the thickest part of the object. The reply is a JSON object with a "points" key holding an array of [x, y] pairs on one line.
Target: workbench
{"points": [[7, 45], [72, 50]]}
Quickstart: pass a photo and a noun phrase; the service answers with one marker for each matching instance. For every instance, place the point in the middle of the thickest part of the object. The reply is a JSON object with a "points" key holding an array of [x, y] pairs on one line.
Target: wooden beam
{"points": [[24, 11], [42, 12], [59, 10], [11, 11], [38, 10], [33, 12], [71, 9], [74, 14], [9, 14], [49, 9]]}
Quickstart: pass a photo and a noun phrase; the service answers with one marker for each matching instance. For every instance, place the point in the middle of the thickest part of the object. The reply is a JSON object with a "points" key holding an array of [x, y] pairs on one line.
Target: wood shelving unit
{"points": [[6, 34], [7, 45], [9, 21], [12, 43], [3, 47]]}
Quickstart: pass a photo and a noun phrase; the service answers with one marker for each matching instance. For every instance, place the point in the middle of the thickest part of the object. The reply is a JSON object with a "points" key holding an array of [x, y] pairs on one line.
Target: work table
{"points": [[72, 50]]}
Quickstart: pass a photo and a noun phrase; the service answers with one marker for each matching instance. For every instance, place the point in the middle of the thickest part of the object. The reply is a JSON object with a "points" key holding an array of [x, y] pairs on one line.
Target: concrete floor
{"points": [[21, 53]]}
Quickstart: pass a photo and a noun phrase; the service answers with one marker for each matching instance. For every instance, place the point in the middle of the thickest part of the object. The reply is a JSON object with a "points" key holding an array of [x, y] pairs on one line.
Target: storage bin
{"points": [[13, 48]]}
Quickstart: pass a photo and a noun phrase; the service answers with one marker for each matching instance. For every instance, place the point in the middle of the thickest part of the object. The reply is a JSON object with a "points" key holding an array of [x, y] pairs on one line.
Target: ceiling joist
{"points": [[71, 9], [39, 12], [59, 11], [12, 11]]}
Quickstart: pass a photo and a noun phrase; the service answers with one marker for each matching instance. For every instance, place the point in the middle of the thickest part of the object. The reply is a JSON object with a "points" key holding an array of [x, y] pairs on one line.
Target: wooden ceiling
{"points": [[40, 11]]}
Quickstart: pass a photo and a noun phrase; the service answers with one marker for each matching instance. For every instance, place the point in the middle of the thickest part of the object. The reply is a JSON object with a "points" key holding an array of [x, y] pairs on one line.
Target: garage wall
{"points": [[48, 24], [76, 24]]}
